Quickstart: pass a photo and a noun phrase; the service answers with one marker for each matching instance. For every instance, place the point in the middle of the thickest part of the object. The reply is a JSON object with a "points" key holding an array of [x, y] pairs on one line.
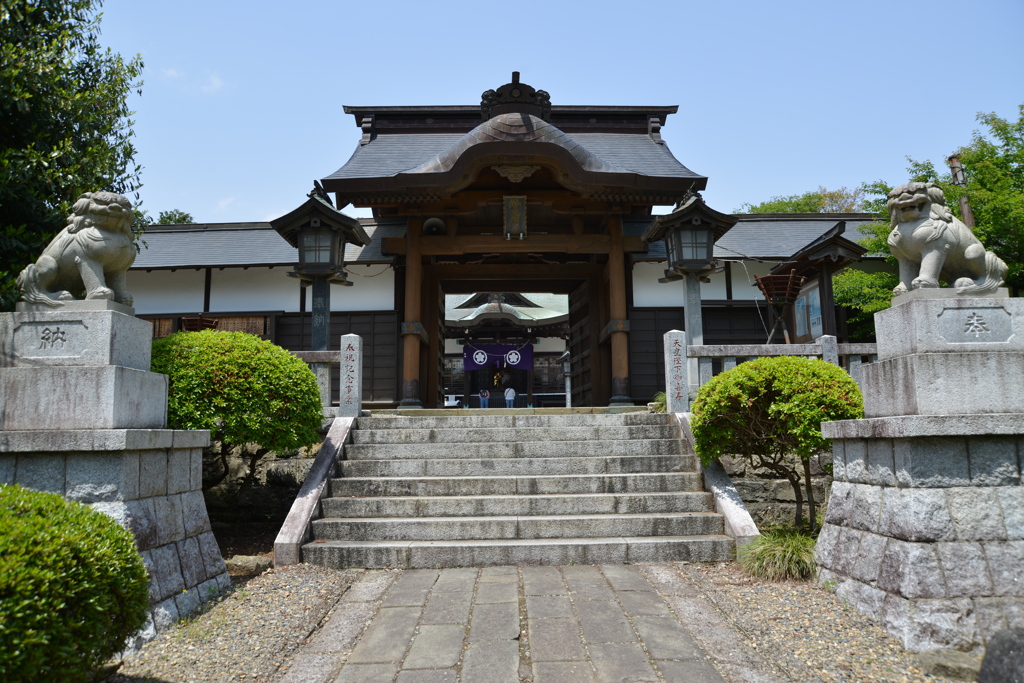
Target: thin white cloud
{"points": [[213, 84], [225, 203]]}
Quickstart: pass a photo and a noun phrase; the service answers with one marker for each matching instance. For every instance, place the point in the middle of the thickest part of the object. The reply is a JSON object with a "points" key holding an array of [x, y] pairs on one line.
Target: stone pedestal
{"points": [[81, 415], [925, 525]]}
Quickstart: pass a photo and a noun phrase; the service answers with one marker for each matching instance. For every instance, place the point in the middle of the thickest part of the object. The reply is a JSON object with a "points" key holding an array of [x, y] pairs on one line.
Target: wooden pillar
{"points": [[827, 298], [412, 327], [433, 319], [619, 324]]}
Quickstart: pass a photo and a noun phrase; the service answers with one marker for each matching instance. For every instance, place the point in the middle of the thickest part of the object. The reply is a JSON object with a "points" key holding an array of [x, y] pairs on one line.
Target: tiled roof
{"points": [[389, 155], [242, 244], [515, 128], [770, 237], [781, 237], [635, 153]]}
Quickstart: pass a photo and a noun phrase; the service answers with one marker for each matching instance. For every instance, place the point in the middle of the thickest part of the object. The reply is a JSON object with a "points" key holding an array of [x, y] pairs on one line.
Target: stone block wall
{"points": [[771, 501], [926, 535], [150, 481], [925, 528]]}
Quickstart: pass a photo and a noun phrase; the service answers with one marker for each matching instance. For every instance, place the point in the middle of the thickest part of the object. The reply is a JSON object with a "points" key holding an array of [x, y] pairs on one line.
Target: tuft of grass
{"points": [[660, 403], [780, 555]]}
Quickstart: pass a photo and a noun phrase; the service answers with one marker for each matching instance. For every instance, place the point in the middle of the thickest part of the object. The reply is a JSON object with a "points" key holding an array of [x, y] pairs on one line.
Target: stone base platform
{"points": [[150, 481], [88, 397]]}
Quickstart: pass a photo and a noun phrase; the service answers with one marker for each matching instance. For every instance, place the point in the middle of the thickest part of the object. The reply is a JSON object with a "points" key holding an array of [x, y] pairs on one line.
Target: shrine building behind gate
{"points": [[508, 227]]}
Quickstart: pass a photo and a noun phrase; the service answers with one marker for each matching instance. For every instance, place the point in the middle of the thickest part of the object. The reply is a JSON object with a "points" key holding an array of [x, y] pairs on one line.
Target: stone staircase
{"points": [[455, 489]]}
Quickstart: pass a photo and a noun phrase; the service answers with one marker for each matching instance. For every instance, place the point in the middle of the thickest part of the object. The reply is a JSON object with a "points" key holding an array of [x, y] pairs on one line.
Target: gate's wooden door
{"points": [[581, 351]]}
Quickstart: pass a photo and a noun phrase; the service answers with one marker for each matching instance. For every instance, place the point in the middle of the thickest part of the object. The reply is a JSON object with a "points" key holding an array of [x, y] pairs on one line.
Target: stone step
{"points": [[480, 506], [529, 527], [491, 553], [530, 449], [515, 485], [477, 420], [445, 434], [485, 488], [461, 467]]}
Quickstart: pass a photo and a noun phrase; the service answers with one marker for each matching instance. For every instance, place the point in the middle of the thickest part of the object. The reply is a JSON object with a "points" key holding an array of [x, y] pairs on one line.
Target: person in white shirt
{"points": [[510, 397]]}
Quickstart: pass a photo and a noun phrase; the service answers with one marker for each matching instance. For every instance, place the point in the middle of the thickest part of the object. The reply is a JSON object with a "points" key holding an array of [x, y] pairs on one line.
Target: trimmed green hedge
{"points": [[73, 587], [243, 389], [769, 411]]}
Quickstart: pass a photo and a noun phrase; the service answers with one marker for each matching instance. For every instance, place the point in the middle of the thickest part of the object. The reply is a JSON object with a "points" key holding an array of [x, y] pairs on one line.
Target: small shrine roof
{"points": [[544, 309]]}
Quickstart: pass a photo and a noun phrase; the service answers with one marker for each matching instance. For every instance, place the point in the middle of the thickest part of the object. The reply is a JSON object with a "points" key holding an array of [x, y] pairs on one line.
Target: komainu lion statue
{"points": [[91, 255], [931, 244]]}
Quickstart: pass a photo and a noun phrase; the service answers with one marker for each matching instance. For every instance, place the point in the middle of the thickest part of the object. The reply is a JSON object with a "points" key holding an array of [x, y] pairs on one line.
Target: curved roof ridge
{"points": [[515, 127]]}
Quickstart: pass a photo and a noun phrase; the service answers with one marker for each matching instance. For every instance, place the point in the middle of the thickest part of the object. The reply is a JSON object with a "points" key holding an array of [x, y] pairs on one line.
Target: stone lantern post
{"points": [[320, 233], [690, 233]]}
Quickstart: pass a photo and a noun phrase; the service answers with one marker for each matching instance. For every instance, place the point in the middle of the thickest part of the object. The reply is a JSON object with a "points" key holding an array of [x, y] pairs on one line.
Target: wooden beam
{"points": [[443, 245], [501, 286], [511, 272]]}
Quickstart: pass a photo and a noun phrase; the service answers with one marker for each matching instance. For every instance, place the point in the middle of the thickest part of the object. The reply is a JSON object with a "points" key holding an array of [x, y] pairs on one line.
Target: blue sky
{"points": [[242, 103]]}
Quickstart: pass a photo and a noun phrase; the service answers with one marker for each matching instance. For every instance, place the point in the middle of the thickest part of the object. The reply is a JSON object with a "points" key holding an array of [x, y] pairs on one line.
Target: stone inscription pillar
{"points": [[677, 383], [350, 396]]}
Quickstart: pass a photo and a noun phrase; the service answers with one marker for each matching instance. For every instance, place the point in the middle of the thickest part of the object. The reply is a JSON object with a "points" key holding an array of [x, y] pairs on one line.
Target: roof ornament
{"points": [[517, 98], [691, 194], [320, 193], [516, 174]]}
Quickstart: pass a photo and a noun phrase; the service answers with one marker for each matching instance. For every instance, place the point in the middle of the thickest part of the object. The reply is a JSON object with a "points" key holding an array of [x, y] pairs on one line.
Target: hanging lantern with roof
{"points": [[690, 233], [320, 233]]}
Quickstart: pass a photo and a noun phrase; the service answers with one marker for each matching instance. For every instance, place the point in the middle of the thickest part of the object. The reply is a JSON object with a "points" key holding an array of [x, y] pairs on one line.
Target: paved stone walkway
{"points": [[606, 623]]}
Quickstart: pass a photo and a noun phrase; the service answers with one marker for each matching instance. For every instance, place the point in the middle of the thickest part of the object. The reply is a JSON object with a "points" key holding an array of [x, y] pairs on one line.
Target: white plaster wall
{"points": [[549, 345], [253, 289], [649, 293], [743, 285], [373, 289], [715, 289], [165, 291], [270, 289]]}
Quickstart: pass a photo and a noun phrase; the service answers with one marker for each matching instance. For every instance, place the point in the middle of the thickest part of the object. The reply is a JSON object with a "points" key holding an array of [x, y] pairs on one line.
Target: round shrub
{"points": [[73, 588], [243, 389], [769, 411]]}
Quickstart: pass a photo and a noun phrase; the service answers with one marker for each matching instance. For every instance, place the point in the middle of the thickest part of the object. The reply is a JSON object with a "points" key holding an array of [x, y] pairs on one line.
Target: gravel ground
{"points": [[246, 635], [801, 630]]}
